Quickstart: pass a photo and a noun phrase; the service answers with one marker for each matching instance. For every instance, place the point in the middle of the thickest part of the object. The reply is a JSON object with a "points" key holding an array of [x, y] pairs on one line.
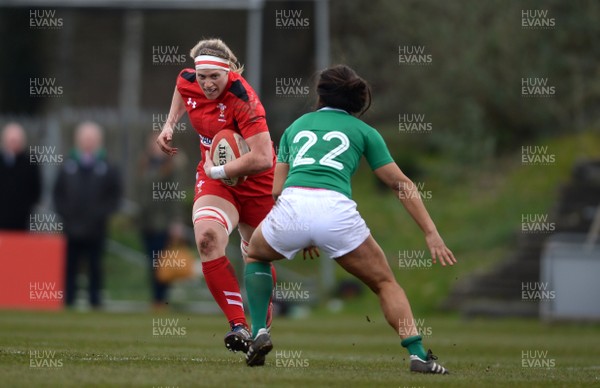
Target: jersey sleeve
{"points": [[283, 152], [184, 79], [250, 118], [249, 113], [376, 151]]}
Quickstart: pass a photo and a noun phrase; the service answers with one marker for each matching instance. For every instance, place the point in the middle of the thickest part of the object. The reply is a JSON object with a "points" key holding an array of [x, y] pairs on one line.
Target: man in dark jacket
{"points": [[86, 193], [20, 185]]}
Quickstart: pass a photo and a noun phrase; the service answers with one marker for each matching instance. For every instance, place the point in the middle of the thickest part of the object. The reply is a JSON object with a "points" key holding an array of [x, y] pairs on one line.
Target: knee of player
{"points": [[211, 227], [209, 239], [380, 283]]}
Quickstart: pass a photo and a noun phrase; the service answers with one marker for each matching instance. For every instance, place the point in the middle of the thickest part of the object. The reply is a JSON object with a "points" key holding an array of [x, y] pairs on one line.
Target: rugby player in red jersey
{"points": [[216, 97]]}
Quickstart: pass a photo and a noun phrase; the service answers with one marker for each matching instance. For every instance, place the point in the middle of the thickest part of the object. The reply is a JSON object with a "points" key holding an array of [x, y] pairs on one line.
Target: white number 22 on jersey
{"points": [[328, 158]]}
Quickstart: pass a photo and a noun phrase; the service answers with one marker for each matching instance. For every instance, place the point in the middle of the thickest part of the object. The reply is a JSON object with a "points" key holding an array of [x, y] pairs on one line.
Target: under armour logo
{"points": [[199, 185], [192, 103]]}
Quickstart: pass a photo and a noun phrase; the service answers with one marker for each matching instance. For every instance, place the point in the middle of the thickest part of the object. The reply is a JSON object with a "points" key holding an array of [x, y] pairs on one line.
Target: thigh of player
{"points": [[260, 249], [215, 215], [286, 229], [343, 230], [368, 263]]}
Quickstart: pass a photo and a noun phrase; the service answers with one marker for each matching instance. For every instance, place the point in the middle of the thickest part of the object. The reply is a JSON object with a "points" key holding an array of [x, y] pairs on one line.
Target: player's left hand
{"points": [[439, 250], [310, 251], [208, 163]]}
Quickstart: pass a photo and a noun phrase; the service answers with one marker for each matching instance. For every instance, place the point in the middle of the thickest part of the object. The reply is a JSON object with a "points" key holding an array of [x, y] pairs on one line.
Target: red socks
{"points": [[223, 285]]}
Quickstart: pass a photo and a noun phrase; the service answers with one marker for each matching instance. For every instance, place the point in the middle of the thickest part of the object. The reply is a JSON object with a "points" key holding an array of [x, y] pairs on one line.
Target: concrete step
{"points": [[499, 292]]}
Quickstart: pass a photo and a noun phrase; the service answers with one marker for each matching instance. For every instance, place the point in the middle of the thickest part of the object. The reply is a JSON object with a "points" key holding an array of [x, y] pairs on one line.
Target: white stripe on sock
{"points": [[238, 303]]}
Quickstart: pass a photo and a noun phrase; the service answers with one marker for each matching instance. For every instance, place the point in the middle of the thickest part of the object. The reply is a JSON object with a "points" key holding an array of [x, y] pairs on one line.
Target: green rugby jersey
{"points": [[323, 149]]}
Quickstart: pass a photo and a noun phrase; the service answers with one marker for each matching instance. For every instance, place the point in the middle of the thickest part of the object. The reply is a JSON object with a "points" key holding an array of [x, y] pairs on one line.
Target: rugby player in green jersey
{"points": [[317, 157]]}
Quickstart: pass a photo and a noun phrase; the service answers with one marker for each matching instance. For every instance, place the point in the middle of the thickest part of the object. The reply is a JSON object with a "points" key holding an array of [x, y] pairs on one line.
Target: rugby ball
{"points": [[228, 145]]}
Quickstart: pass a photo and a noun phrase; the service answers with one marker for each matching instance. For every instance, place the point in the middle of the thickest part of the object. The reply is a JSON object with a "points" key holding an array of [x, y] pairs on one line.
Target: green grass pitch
{"points": [[326, 350]]}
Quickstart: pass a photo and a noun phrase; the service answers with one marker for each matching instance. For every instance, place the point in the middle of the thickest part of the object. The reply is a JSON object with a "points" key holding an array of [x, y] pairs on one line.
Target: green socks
{"points": [[259, 287], [415, 347]]}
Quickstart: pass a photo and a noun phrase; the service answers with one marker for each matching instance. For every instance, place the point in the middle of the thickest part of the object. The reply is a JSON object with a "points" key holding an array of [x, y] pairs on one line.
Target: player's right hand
{"points": [[439, 250], [310, 251], [164, 141]]}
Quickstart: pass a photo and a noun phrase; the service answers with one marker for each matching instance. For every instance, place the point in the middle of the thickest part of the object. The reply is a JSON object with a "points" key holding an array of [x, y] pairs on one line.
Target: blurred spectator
{"points": [[157, 211], [86, 192], [20, 182], [182, 267]]}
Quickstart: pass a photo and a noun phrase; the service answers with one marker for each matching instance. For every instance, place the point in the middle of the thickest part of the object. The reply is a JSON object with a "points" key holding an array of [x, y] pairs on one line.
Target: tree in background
{"points": [[480, 52]]}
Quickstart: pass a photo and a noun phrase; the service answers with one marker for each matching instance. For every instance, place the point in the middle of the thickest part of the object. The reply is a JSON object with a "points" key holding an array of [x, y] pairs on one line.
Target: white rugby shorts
{"points": [[304, 217]]}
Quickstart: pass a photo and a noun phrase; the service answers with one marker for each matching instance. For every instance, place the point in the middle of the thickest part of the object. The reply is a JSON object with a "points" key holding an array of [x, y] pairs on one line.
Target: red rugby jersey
{"points": [[237, 108]]}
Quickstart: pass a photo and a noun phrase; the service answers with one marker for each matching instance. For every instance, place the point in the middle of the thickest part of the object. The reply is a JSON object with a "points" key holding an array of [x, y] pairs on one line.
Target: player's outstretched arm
{"points": [[166, 135], [409, 195]]}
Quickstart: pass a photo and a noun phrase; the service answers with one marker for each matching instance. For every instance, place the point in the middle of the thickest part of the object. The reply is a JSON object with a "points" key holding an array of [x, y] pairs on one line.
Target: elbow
{"points": [[263, 163], [396, 185]]}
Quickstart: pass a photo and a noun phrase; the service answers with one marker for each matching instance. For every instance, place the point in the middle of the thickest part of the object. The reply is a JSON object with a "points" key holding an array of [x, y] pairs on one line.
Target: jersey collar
{"points": [[325, 108]]}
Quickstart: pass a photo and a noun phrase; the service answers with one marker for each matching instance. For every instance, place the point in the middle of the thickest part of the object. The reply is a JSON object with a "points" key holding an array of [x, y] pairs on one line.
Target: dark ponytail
{"points": [[340, 87]]}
